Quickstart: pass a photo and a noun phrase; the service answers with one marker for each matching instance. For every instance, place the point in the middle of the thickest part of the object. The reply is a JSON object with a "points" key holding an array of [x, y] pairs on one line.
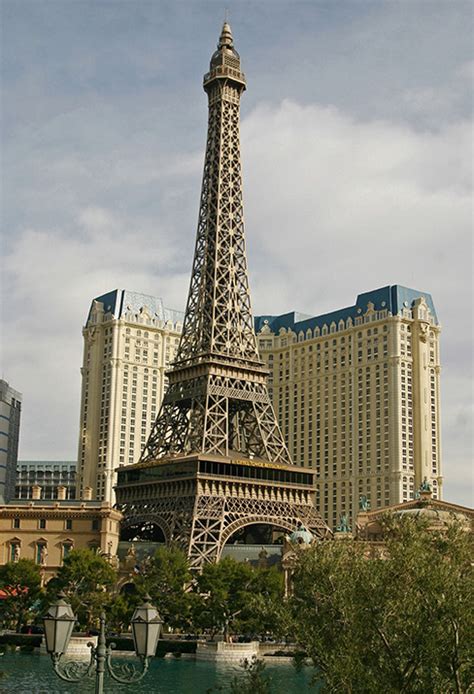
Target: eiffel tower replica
{"points": [[216, 460]]}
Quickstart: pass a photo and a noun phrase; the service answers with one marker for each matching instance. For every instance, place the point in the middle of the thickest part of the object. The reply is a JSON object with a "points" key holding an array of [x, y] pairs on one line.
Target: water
{"points": [[33, 674]]}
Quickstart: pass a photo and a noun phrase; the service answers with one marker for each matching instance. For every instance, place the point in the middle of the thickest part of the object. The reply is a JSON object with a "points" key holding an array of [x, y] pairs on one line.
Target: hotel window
{"points": [[42, 523], [67, 547], [68, 524], [16, 523]]}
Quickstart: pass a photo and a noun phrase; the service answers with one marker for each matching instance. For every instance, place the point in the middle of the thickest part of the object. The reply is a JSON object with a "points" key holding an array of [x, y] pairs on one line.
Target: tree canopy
{"points": [[20, 583], [88, 580], [403, 618], [166, 577], [236, 597]]}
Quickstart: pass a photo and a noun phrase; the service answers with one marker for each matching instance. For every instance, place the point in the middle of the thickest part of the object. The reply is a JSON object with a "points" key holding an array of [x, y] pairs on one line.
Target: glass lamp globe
{"points": [[146, 627], [58, 625]]}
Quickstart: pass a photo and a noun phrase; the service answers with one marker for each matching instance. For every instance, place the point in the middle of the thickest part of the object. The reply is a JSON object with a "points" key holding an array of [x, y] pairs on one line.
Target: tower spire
{"points": [[217, 399], [226, 38]]}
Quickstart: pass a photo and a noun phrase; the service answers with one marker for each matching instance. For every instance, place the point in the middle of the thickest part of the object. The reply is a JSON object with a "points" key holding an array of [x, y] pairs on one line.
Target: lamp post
{"points": [[58, 625]]}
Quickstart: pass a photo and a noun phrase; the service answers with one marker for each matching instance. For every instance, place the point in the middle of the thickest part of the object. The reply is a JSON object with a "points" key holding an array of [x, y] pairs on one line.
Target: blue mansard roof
{"points": [[391, 298], [121, 301]]}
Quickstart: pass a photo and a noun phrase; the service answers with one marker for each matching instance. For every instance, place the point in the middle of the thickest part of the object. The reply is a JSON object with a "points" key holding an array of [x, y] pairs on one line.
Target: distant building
{"points": [[129, 341], [10, 412], [47, 474], [45, 531], [357, 396]]}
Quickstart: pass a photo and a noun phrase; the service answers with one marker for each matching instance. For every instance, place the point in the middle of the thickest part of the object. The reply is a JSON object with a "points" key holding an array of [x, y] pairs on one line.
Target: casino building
{"points": [[356, 392], [357, 395]]}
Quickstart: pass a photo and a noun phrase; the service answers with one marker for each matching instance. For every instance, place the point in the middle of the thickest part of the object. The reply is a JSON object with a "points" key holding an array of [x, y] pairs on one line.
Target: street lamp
{"points": [[58, 625]]}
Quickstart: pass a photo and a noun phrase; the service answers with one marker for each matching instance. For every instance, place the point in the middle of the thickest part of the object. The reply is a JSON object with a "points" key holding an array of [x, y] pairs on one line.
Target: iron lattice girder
{"points": [[201, 511], [217, 403], [217, 400], [218, 314], [217, 413]]}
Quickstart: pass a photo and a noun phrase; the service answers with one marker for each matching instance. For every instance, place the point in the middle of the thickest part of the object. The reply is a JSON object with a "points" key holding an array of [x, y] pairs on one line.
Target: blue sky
{"points": [[356, 150]]}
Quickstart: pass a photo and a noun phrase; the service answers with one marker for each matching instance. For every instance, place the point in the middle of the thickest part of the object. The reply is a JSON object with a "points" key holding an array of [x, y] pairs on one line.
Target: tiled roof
{"points": [[391, 298], [121, 301]]}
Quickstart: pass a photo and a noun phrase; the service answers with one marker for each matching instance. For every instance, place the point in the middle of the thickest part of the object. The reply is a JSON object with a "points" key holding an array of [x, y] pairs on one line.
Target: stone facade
{"points": [[437, 514], [46, 530]]}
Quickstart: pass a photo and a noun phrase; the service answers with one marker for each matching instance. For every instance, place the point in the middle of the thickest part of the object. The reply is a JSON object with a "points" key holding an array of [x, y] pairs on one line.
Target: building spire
{"points": [[226, 39]]}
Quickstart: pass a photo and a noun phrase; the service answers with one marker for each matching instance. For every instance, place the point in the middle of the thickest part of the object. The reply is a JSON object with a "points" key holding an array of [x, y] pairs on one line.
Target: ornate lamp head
{"points": [[146, 627], [58, 625]]}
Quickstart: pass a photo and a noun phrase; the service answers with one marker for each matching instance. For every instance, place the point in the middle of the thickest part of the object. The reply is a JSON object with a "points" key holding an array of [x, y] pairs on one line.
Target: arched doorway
{"points": [[256, 541], [139, 539], [146, 531], [257, 534]]}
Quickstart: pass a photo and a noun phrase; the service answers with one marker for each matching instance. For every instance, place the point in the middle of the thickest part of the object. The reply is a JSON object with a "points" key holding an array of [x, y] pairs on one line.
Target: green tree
{"points": [[266, 611], [88, 581], [166, 577], [120, 611], [400, 622], [21, 583], [235, 597]]}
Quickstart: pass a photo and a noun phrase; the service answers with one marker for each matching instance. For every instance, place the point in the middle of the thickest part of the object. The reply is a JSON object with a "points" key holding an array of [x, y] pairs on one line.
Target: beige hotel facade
{"points": [[46, 530], [356, 392]]}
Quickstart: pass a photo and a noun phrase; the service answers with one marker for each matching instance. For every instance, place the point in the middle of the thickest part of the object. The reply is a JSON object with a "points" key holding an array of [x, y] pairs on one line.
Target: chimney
{"points": [[87, 494], [36, 491], [61, 492]]}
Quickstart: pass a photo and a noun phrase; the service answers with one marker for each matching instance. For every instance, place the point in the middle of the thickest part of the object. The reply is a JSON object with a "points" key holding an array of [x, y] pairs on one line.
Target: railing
{"points": [[225, 71]]}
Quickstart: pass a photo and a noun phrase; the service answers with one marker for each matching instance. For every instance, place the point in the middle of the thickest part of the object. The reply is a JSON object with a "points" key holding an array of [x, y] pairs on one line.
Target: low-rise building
{"points": [[46, 530], [436, 514]]}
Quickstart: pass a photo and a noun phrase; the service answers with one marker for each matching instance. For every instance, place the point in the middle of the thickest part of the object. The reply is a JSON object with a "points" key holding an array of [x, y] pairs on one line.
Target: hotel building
{"points": [[129, 341], [356, 392]]}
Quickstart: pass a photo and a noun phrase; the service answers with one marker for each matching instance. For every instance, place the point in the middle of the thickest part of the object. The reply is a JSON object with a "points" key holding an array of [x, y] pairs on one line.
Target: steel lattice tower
{"points": [[216, 459]]}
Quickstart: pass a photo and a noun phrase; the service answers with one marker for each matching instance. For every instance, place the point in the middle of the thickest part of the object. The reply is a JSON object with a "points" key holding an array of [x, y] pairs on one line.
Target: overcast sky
{"points": [[356, 149]]}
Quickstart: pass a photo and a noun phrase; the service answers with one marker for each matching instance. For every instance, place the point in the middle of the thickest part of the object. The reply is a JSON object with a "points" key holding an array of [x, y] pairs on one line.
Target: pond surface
{"points": [[23, 673]]}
